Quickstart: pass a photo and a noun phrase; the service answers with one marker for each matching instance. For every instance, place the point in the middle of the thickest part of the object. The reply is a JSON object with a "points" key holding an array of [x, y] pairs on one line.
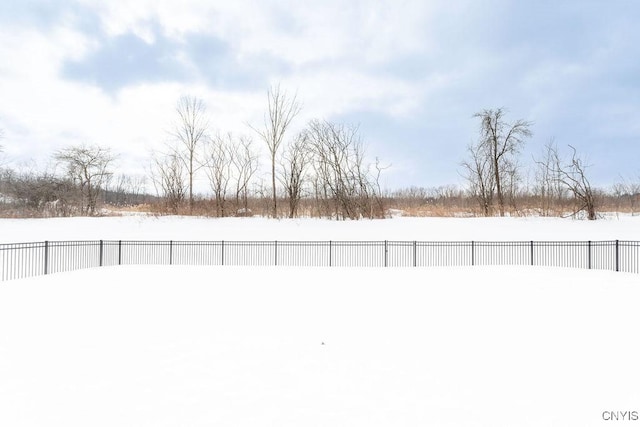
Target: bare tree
{"points": [[629, 190], [281, 110], [294, 164], [479, 174], [511, 182], [38, 193], [88, 168], [500, 142], [168, 177], [343, 181], [572, 175], [330, 144], [245, 164], [126, 190], [548, 186], [190, 131], [378, 188], [218, 161]]}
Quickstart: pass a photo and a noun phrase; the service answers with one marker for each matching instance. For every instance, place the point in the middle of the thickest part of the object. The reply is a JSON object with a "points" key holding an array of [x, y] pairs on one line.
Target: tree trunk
{"points": [[273, 184]]}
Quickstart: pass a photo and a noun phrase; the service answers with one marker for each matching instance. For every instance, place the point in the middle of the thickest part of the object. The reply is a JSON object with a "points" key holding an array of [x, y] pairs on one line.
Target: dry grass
{"points": [[309, 208]]}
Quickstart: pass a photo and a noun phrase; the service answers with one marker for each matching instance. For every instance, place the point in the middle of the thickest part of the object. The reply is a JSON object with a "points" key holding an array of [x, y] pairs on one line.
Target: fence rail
{"points": [[19, 260]]}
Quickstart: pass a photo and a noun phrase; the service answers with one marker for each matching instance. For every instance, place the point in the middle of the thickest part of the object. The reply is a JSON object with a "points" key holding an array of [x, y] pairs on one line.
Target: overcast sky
{"points": [[410, 73]]}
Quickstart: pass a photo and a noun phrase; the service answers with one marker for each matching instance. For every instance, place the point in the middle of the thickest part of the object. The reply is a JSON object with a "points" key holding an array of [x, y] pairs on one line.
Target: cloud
{"points": [[214, 61], [411, 72], [43, 14], [127, 60]]}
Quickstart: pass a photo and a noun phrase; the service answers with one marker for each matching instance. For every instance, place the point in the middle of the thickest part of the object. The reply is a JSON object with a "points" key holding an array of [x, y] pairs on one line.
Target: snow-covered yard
{"points": [[233, 346], [426, 229]]}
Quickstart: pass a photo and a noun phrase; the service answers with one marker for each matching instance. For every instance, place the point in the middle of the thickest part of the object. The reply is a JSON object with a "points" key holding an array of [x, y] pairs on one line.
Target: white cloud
{"points": [[298, 33], [310, 37], [411, 61]]}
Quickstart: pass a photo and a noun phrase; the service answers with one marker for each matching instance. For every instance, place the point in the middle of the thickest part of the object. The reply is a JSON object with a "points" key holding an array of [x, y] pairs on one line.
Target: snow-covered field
{"points": [[426, 229], [269, 346]]}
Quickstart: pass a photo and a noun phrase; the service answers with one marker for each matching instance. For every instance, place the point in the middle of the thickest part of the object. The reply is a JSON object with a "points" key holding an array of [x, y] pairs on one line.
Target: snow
{"points": [[409, 229], [275, 346]]}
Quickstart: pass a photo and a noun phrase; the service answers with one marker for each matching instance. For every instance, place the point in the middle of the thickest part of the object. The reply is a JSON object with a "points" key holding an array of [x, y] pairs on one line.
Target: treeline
{"points": [[47, 194], [324, 162], [526, 201], [323, 165], [79, 189], [320, 171]]}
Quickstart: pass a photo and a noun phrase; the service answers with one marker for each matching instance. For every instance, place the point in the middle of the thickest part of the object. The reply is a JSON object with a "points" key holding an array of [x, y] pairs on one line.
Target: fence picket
{"points": [[18, 260]]}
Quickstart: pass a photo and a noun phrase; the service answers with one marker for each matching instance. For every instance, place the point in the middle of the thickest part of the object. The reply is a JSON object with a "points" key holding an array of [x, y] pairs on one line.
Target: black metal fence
{"points": [[18, 260]]}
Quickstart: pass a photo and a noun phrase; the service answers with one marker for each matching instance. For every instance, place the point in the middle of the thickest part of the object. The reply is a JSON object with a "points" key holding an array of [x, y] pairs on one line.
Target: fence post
{"points": [[532, 252], [589, 254], [101, 252], [275, 252], [119, 252], [415, 253], [46, 257], [222, 251], [170, 252], [330, 247], [386, 253], [473, 252], [617, 255]]}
